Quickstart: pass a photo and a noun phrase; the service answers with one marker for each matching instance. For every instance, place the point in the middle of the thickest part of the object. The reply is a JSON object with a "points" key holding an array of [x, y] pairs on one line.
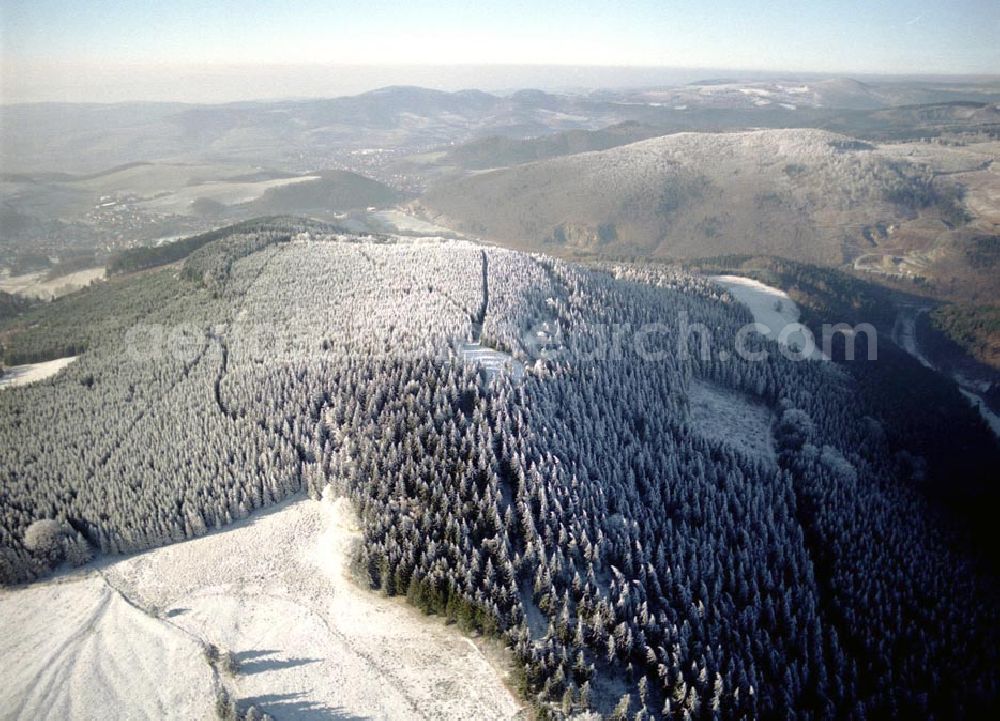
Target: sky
{"points": [[138, 49]]}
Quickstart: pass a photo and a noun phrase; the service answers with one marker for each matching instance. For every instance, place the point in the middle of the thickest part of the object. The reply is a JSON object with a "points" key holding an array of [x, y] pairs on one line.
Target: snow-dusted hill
{"points": [[643, 521], [803, 194]]}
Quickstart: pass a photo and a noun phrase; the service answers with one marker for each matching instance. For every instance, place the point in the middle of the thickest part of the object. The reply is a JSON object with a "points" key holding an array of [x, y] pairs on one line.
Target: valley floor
{"points": [[310, 644], [904, 334]]}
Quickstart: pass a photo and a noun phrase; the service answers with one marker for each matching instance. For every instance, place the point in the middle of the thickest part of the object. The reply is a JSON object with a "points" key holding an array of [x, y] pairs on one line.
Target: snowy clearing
{"points": [[273, 591], [222, 191], [732, 417], [22, 375], [492, 361], [770, 306], [34, 285], [405, 223]]}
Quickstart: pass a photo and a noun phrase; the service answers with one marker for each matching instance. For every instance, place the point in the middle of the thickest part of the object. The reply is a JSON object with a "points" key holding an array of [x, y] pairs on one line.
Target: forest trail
{"points": [[477, 324]]}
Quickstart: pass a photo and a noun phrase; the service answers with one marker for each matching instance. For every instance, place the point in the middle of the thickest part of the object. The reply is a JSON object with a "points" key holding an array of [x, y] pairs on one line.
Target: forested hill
{"points": [[803, 194], [957, 465], [659, 534], [144, 257]]}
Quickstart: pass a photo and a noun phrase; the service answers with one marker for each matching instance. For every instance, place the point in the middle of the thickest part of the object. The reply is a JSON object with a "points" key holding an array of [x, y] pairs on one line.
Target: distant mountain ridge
{"points": [[87, 138], [497, 150]]}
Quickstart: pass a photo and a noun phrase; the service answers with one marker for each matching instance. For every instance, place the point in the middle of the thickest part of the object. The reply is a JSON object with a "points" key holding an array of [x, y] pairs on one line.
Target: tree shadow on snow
{"points": [[243, 656], [257, 661], [290, 707]]}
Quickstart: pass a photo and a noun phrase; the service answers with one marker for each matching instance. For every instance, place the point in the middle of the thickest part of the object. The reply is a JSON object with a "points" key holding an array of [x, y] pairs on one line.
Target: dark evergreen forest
{"points": [[635, 564]]}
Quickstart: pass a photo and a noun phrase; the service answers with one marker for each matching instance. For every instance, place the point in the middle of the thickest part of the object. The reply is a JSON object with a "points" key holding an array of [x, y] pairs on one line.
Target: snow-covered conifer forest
{"points": [[638, 557]]}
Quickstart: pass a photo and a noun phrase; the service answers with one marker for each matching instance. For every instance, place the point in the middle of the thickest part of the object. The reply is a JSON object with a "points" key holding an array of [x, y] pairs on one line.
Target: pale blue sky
{"points": [[42, 37]]}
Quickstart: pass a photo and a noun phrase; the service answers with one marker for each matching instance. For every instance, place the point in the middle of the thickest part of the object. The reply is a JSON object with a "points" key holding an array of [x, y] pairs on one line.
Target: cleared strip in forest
{"points": [[486, 294]]}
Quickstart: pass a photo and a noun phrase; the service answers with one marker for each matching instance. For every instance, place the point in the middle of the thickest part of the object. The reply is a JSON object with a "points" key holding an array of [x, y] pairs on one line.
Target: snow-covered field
{"points": [[29, 373], [74, 648], [272, 590], [406, 223], [771, 307], [222, 191], [34, 285], [731, 417]]}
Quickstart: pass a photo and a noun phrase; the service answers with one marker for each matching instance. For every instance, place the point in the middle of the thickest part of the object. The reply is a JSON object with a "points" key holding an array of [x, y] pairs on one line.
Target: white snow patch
{"points": [[22, 375], [771, 307], [273, 591], [732, 417], [36, 285]]}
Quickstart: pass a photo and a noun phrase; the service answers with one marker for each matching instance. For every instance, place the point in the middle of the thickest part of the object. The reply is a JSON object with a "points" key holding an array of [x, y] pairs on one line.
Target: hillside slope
{"points": [[802, 194]]}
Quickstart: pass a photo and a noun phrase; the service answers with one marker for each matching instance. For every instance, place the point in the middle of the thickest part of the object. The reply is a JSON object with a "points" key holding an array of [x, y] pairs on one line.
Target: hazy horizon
{"points": [[56, 50], [230, 84]]}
